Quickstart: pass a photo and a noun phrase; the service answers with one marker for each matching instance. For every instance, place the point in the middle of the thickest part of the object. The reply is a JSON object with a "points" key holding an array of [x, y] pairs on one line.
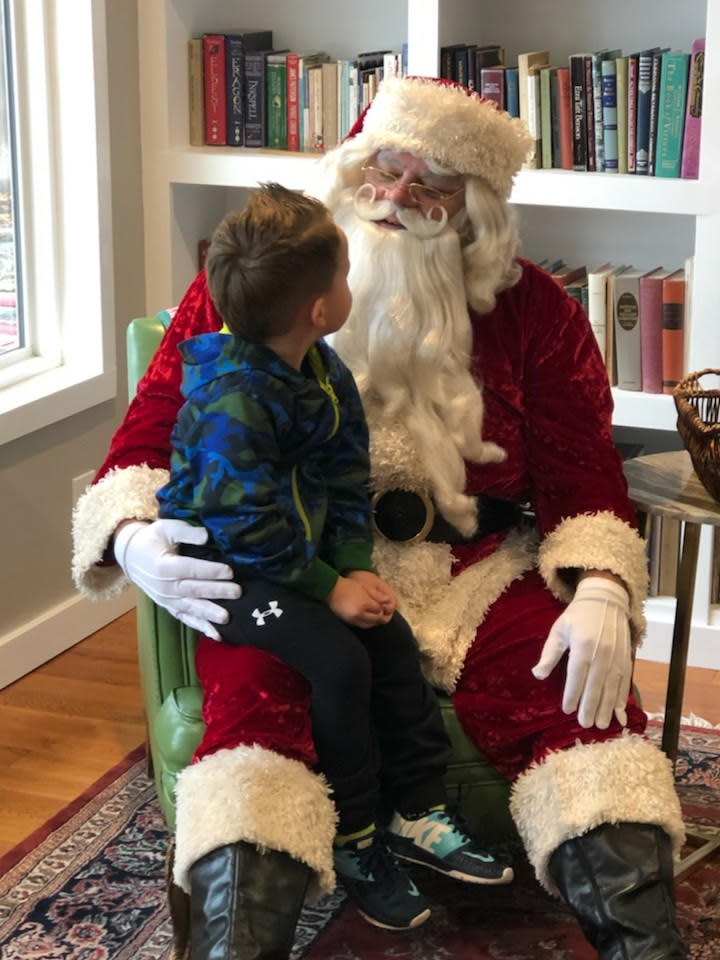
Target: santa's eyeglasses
{"points": [[420, 192]]}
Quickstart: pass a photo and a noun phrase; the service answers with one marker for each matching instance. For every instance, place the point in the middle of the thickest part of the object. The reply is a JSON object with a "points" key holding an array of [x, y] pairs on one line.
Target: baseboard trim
{"points": [[55, 630]]}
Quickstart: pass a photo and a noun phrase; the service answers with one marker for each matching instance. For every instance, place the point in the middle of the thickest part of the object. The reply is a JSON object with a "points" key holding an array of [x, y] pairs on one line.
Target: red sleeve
{"points": [[144, 434]]}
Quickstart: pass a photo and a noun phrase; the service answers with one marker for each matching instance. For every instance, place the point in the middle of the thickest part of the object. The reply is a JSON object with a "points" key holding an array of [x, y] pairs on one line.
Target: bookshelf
{"points": [[593, 216]]}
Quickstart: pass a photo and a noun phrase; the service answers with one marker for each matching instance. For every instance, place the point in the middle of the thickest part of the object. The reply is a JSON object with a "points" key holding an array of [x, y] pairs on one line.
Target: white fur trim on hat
{"points": [[252, 794], [122, 494], [627, 780], [449, 124], [598, 541]]}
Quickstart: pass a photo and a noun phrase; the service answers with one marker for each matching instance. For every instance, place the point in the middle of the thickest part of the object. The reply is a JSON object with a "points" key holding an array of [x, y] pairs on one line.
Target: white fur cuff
{"points": [[255, 795], [599, 541], [627, 780], [122, 494]]}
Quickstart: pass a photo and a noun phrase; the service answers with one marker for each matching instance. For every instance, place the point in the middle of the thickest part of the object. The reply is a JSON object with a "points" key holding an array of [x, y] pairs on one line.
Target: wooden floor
{"points": [[69, 721]]}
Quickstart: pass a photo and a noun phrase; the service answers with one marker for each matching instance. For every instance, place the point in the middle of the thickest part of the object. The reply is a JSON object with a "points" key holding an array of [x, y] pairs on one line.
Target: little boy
{"points": [[271, 456]]}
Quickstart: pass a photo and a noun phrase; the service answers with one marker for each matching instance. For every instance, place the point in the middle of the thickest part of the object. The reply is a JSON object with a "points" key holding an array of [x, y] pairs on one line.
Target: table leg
{"points": [[680, 639]]}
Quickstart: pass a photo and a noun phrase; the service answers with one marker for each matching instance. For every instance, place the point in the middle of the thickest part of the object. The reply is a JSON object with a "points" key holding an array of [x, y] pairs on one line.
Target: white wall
{"points": [[40, 613]]}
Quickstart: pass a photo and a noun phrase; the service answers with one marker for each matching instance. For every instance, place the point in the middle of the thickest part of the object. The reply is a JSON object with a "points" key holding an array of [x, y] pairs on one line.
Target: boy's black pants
{"points": [[372, 709]]}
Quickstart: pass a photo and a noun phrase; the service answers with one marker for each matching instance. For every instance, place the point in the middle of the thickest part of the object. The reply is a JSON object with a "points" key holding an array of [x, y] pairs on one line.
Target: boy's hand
{"points": [[378, 589], [351, 602]]}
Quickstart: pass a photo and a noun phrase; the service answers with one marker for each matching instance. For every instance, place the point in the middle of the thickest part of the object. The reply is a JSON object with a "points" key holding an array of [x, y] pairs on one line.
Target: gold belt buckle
{"points": [[422, 534]]}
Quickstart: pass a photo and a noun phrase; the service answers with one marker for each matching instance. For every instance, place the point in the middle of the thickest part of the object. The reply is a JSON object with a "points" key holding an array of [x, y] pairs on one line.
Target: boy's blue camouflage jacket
{"points": [[273, 461]]}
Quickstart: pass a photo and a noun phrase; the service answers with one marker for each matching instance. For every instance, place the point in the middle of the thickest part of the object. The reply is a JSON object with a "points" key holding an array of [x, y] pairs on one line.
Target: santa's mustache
{"points": [[420, 225]]}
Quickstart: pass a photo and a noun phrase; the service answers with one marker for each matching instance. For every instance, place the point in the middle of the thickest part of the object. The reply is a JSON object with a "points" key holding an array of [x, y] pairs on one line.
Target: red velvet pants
{"points": [[251, 697]]}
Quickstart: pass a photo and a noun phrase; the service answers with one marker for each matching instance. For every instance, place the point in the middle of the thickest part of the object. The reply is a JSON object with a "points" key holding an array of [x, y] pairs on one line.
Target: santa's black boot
{"points": [[245, 904], [618, 880]]}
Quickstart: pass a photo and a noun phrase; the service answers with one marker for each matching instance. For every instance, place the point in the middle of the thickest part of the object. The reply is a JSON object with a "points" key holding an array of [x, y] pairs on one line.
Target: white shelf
{"points": [[607, 191], [238, 166]]}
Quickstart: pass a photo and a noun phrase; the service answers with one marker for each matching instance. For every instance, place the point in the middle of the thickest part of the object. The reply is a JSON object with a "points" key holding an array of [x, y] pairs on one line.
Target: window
{"points": [[56, 303]]}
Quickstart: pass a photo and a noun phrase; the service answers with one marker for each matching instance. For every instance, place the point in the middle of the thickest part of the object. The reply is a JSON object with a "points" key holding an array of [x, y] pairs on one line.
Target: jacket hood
{"points": [[210, 356]]}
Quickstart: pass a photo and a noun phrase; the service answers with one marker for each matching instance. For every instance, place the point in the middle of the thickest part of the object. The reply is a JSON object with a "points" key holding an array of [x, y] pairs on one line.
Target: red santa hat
{"points": [[447, 122]]}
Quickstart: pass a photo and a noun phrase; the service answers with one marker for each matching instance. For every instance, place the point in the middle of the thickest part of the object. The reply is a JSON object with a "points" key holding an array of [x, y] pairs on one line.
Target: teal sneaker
{"points": [[378, 886], [439, 840]]}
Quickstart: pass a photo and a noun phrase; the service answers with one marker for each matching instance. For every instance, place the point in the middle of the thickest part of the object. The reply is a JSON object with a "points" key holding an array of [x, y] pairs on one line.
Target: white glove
{"points": [[147, 553], [595, 628]]}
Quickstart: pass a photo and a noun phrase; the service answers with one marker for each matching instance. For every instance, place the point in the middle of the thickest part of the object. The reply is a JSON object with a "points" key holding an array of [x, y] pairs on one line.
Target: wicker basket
{"points": [[699, 426]]}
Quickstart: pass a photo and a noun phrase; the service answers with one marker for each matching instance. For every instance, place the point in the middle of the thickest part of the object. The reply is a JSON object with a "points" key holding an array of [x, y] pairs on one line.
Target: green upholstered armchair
{"points": [[173, 699]]}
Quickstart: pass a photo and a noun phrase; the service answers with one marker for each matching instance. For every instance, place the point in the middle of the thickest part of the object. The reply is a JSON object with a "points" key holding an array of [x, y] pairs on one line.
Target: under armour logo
{"points": [[260, 615]]}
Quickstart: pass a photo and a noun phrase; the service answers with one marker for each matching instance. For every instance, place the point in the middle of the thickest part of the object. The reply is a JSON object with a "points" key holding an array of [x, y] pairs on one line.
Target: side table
{"points": [[666, 485]]}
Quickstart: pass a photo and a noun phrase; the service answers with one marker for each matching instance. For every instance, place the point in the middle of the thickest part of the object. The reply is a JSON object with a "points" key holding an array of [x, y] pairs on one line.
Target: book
{"points": [[566, 274], [565, 118], [598, 58], [255, 131], [579, 110], [196, 92], [546, 128], [447, 60], [533, 115], [578, 289], [315, 108], [673, 336], [487, 55], [512, 92], [214, 73], [554, 118], [492, 85], [292, 95], [642, 116], [690, 163], [596, 310], [236, 43], [610, 357], [589, 114], [671, 113], [276, 106], [632, 111], [628, 358], [621, 86], [609, 153], [654, 97], [305, 62], [329, 104], [650, 301], [535, 58]]}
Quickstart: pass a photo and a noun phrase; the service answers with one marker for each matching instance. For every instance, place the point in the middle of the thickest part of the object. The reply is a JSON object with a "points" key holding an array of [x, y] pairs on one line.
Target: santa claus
{"points": [[486, 395]]}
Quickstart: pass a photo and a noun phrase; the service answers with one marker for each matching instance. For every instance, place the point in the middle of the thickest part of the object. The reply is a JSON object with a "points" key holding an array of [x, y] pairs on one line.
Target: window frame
{"points": [[59, 62]]}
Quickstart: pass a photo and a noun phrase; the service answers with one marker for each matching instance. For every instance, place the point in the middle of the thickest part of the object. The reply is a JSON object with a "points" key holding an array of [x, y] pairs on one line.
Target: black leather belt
{"points": [[407, 517]]}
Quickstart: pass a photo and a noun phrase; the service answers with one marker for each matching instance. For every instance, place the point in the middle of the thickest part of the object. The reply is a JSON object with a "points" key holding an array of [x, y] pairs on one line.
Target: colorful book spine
{"points": [[589, 114], [292, 62], [565, 118], [651, 324], [673, 332], [621, 71], [608, 71], [671, 113], [654, 100], [512, 93], [196, 92], [546, 137], [214, 71], [235, 94], [690, 165], [555, 118], [577, 100], [632, 112], [642, 121], [255, 105], [492, 85]]}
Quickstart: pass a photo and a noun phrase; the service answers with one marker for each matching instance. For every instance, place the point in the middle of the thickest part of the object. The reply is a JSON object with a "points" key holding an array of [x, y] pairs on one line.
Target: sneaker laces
{"points": [[455, 820], [377, 861]]}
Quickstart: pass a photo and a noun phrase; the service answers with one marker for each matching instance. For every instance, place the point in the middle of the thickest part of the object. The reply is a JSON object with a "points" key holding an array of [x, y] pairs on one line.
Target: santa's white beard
{"points": [[408, 341]]}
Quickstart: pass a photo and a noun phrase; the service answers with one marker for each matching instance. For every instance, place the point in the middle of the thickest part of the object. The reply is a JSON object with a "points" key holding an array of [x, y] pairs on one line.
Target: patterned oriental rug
{"points": [[89, 885]]}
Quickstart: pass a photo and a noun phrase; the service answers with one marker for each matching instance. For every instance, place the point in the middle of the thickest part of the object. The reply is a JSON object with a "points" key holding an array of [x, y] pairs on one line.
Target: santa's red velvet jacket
{"points": [[547, 403]]}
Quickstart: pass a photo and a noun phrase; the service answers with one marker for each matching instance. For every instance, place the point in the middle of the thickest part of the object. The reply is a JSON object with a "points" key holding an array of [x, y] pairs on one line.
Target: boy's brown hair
{"points": [[267, 261]]}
